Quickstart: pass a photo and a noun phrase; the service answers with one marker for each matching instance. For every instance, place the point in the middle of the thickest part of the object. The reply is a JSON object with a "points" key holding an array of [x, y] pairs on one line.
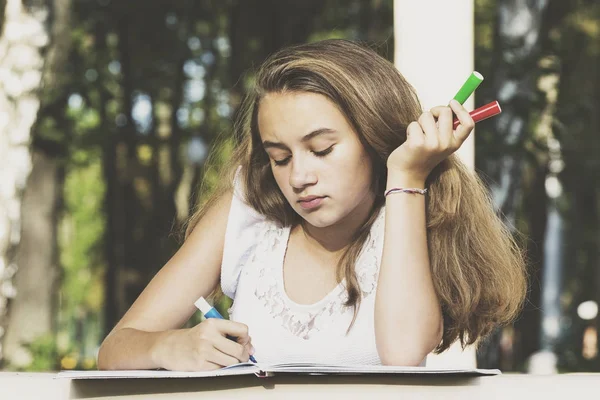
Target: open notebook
{"points": [[266, 370]]}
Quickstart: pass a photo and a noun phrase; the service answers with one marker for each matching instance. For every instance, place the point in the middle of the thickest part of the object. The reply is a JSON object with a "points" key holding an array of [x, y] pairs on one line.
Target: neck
{"points": [[335, 238]]}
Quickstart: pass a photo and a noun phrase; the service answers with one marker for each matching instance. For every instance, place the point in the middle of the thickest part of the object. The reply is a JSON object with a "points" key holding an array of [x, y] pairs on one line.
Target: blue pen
{"points": [[211, 312]]}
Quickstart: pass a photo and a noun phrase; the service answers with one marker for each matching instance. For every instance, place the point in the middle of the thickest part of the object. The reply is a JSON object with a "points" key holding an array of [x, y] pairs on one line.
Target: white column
{"points": [[434, 51]]}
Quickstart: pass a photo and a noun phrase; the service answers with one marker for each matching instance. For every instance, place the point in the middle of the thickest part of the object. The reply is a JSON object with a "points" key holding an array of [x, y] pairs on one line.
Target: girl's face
{"points": [[317, 159]]}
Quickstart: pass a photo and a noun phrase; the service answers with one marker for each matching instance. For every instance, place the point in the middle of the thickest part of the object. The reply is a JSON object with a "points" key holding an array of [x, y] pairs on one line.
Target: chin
{"points": [[319, 221]]}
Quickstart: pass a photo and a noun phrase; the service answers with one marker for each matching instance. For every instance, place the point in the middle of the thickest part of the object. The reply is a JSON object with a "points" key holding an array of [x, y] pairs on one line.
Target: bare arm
{"points": [[407, 312], [146, 335], [408, 318]]}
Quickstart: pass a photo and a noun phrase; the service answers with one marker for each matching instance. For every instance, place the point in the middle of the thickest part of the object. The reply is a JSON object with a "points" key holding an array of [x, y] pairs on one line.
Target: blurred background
{"points": [[109, 109]]}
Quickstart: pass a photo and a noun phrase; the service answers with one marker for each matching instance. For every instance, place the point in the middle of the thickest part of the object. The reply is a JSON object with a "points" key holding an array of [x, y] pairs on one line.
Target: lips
{"points": [[309, 198], [310, 202]]}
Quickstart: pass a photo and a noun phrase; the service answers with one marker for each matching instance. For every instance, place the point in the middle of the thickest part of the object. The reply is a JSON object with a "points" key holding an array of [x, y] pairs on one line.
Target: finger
{"points": [[244, 341], [231, 348], [235, 332], [443, 114], [414, 135], [247, 344], [229, 328], [436, 111], [209, 366], [218, 357], [429, 126], [462, 131], [203, 351]]}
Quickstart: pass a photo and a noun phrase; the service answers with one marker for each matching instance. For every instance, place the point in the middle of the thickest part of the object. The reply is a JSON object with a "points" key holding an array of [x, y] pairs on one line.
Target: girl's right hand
{"points": [[204, 347]]}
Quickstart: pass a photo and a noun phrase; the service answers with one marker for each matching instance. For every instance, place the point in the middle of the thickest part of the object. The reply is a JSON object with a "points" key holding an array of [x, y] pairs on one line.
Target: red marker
{"points": [[483, 112]]}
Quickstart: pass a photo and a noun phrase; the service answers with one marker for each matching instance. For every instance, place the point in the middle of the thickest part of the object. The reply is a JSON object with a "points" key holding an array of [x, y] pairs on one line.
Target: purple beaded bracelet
{"points": [[406, 190]]}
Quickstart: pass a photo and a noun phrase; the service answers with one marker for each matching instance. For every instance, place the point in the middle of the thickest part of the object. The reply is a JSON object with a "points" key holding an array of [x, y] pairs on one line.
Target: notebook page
{"points": [[126, 374], [373, 369]]}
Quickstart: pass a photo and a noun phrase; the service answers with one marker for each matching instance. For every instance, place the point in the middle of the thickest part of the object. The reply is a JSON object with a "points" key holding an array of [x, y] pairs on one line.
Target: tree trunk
{"points": [[514, 81], [114, 237], [32, 310], [528, 327], [273, 24], [518, 33], [577, 122], [32, 315], [22, 41]]}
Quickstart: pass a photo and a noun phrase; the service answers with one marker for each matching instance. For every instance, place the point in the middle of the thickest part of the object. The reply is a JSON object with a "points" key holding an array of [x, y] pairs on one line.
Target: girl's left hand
{"points": [[430, 140]]}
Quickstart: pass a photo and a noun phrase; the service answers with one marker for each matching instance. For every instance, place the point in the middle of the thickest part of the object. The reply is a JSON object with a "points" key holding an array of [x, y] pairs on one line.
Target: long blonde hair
{"points": [[478, 270]]}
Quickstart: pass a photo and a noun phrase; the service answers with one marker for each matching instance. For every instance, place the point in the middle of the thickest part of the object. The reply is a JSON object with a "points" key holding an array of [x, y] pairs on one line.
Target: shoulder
{"points": [[246, 228], [212, 218]]}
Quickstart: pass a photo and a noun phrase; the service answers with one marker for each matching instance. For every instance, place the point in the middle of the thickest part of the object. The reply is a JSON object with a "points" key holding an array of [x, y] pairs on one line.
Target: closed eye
{"points": [[324, 152], [282, 162]]}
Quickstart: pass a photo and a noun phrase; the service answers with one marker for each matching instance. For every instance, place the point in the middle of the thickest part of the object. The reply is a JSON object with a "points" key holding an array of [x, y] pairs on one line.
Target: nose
{"points": [[302, 174]]}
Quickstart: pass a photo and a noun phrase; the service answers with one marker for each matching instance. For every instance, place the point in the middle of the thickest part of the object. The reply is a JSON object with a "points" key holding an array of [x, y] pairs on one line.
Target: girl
{"points": [[346, 232]]}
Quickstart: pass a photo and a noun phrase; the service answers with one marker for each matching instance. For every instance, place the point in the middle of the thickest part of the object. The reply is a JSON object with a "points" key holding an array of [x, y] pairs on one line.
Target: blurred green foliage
{"points": [[191, 62]]}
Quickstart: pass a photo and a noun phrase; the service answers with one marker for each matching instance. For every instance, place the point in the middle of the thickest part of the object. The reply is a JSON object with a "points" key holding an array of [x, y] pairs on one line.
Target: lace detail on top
{"points": [[305, 320]]}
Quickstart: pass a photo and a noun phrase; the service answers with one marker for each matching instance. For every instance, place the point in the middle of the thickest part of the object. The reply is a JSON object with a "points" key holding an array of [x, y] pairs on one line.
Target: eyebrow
{"points": [[321, 131]]}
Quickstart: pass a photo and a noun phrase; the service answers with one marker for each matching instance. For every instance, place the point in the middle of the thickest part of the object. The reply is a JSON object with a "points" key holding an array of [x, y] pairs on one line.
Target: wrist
{"points": [[159, 347], [403, 179]]}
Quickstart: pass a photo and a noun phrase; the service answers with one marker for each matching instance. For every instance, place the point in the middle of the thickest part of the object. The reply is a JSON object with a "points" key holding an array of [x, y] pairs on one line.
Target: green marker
{"points": [[469, 87]]}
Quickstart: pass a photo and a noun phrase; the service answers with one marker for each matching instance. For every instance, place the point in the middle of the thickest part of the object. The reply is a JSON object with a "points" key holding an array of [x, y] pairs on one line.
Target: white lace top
{"points": [[282, 330]]}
